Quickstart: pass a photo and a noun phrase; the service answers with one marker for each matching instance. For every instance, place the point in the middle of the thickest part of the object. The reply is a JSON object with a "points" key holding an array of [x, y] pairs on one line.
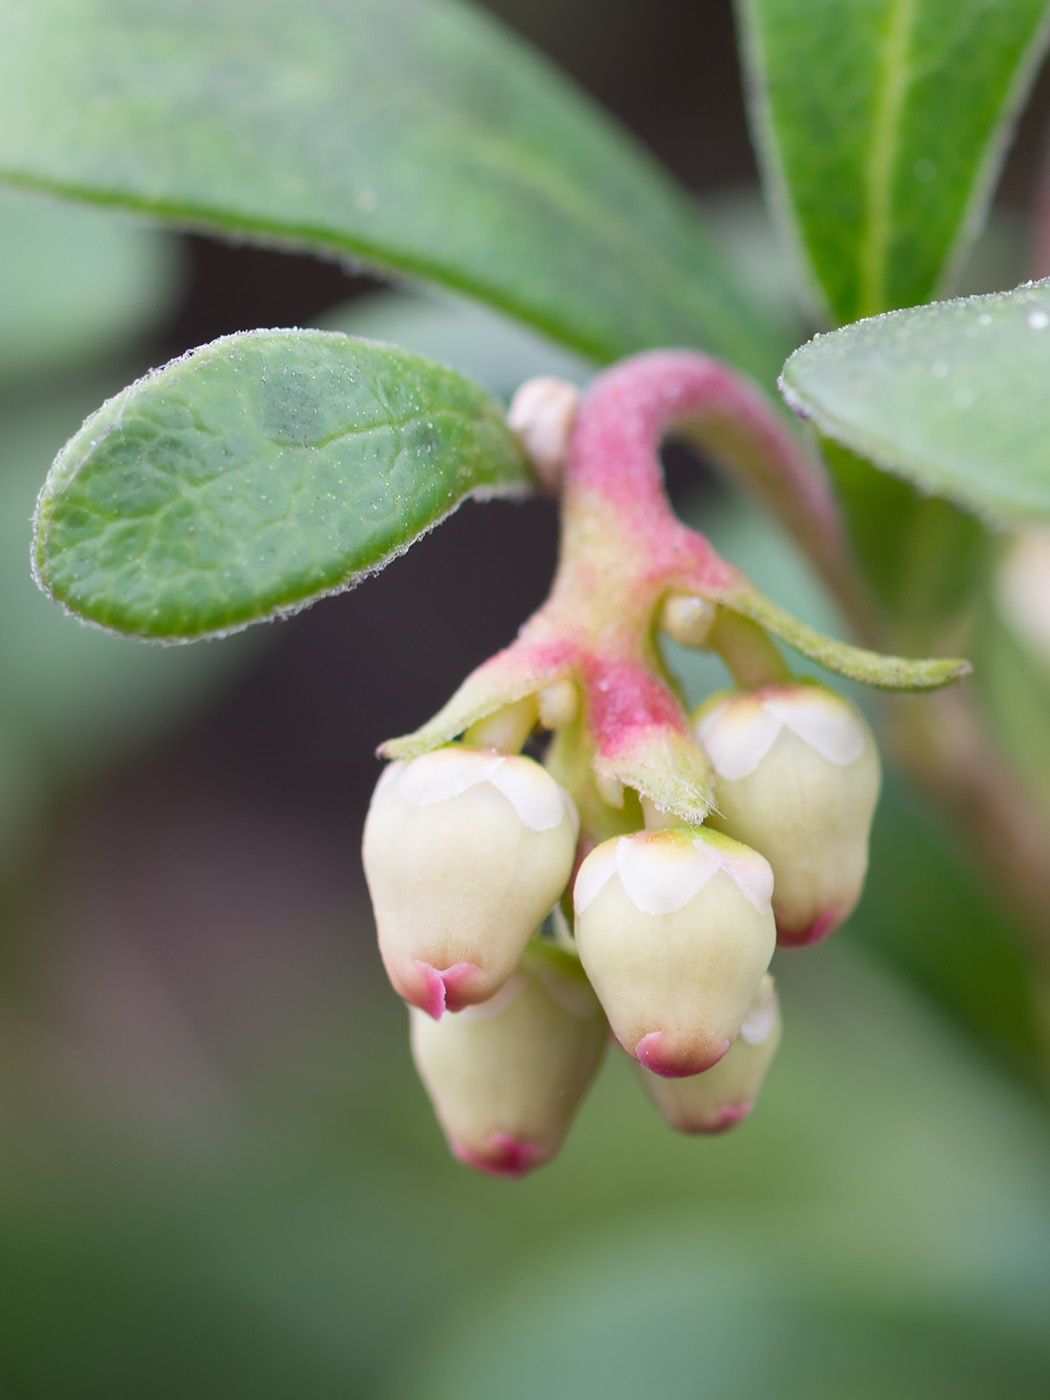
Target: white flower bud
{"points": [[506, 1077], [799, 778], [541, 414], [723, 1095], [686, 619], [465, 854], [675, 930]]}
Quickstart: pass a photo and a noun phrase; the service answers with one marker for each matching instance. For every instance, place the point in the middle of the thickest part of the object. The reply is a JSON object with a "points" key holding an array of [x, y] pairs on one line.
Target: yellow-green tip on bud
{"points": [[465, 853], [798, 778], [725, 1094], [506, 1077], [675, 930]]}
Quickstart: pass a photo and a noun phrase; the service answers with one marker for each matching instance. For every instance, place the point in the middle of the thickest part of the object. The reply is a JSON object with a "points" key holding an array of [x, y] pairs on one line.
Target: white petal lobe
{"points": [[533, 793], [594, 875], [660, 876], [825, 724], [753, 876], [444, 773], [737, 737]]}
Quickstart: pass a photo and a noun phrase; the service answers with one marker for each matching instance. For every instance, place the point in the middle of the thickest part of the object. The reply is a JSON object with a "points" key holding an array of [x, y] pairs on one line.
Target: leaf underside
{"points": [[257, 474], [952, 397], [415, 136]]}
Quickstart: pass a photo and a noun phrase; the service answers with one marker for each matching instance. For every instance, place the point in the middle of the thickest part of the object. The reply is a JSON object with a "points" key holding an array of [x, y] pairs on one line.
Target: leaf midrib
{"points": [[889, 104]]}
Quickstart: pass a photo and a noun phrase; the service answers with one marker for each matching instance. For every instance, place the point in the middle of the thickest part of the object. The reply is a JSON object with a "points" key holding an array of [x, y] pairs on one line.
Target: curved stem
{"points": [[628, 410], [751, 655], [939, 740]]}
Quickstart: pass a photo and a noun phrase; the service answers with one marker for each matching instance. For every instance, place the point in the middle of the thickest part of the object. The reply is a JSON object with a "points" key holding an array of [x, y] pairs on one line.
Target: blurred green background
{"points": [[218, 1173]]}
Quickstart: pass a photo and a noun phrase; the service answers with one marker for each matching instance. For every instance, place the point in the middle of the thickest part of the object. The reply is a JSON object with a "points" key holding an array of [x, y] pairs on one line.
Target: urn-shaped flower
{"points": [[725, 1094], [465, 853], [675, 931], [506, 1077], [798, 778]]}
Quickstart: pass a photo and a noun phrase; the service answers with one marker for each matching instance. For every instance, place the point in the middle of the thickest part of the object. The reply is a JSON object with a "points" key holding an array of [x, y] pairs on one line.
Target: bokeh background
{"points": [[218, 1173]]}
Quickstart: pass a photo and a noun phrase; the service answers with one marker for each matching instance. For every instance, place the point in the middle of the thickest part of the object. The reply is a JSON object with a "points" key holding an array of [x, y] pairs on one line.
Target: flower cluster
{"points": [[641, 876]]}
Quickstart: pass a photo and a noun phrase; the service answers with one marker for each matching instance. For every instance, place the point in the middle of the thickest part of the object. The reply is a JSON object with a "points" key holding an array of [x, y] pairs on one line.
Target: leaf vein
{"points": [[894, 79]]}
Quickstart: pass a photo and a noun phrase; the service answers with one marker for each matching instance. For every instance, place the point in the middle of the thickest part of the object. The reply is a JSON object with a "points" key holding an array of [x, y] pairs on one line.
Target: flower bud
{"points": [[798, 779], [675, 930], [725, 1094], [541, 414], [507, 1076], [465, 853]]}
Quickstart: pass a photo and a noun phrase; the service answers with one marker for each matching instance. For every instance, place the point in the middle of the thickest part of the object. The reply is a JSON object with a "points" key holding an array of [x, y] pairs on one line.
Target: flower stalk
{"points": [[675, 922]]}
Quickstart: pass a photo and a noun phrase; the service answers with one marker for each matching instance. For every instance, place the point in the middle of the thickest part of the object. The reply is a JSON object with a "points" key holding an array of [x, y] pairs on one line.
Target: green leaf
{"points": [[952, 397], [412, 135], [881, 124], [922, 556], [72, 700], [259, 473], [478, 342]]}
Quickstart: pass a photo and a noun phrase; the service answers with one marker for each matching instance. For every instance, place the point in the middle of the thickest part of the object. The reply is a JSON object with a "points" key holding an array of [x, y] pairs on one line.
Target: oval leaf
{"points": [[881, 124], [952, 397], [259, 473], [412, 135]]}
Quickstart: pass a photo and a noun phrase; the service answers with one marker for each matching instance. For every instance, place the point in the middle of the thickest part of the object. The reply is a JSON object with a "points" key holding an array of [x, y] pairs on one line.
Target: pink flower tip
{"points": [[430, 995], [720, 1121], [447, 990], [506, 1156], [729, 1115], [817, 931], [458, 980], [653, 1052]]}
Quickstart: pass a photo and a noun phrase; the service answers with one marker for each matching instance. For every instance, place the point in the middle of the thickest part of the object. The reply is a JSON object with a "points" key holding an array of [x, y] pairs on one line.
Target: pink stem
{"points": [[628, 409]]}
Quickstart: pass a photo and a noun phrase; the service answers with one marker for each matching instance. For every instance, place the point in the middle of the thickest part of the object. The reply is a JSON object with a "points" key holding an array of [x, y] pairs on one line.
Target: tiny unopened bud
{"points": [[609, 789], [559, 704], [465, 853], [686, 619], [675, 931], [799, 778], [725, 1094], [542, 414], [506, 1077], [506, 729]]}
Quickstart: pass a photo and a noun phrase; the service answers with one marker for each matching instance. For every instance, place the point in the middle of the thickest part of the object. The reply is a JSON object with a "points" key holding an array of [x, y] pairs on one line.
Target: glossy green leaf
{"points": [[881, 124], [259, 473], [413, 135], [952, 397]]}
